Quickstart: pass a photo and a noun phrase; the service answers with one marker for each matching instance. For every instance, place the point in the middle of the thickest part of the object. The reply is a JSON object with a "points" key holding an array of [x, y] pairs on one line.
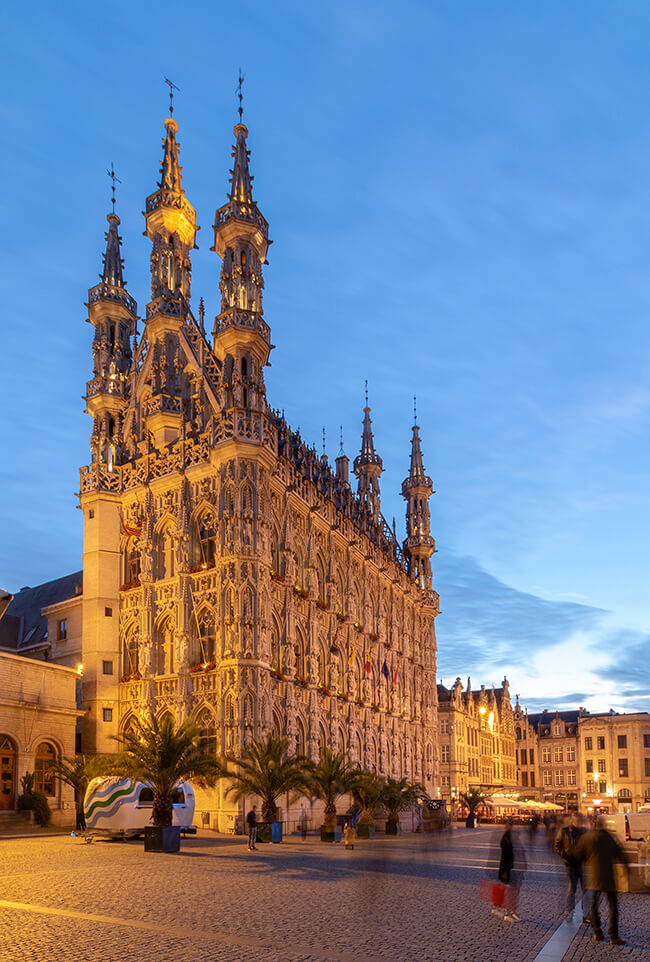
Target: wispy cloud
{"points": [[556, 654]]}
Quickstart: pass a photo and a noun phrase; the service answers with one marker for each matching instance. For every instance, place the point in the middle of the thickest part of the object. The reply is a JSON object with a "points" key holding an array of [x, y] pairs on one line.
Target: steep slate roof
{"points": [[542, 721], [22, 624]]}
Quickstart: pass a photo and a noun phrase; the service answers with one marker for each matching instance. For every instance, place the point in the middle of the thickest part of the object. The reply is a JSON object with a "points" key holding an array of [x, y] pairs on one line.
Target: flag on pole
{"points": [[351, 657], [384, 670], [368, 667], [395, 675], [130, 531]]}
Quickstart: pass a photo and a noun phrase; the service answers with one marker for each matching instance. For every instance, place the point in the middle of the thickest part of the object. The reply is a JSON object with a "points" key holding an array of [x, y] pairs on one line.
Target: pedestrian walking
{"points": [[302, 822], [512, 864], [567, 847], [349, 835], [251, 819], [600, 851]]}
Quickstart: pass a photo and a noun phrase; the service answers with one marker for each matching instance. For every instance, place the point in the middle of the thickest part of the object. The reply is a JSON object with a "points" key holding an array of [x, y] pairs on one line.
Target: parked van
{"points": [[633, 826], [121, 808]]}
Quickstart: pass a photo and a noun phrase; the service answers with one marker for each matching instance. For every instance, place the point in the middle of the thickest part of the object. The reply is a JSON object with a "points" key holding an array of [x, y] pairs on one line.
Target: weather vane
{"points": [[172, 87], [111, 173], [240, 84]]}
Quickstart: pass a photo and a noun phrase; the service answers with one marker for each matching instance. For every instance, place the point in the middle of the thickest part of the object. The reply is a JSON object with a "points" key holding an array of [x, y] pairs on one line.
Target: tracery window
{"points": [[130, 654], [164, 648], [165, 566], [206, 637], [131, 562]]}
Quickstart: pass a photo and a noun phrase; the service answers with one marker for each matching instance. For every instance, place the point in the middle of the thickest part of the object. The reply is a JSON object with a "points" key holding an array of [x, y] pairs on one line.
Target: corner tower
{"points": [[242, 338], [368, 467], [417, 488]]}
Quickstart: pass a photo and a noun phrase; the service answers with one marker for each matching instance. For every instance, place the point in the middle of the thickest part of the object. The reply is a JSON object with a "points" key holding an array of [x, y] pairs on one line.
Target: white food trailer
{"points": [[118, 807]]}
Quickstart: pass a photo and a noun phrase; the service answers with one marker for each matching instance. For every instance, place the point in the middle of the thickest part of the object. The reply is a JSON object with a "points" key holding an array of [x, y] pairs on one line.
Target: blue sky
{"points": [[458, 193]]}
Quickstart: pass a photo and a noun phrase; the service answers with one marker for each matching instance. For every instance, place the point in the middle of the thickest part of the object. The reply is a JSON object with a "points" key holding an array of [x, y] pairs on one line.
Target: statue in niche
{"points": [[182, 553], [366, 689], [288, 659], [183, 648], [335, 674], [333, 594], [351, 676], [144, 659], [312, 666], [246, 534]]}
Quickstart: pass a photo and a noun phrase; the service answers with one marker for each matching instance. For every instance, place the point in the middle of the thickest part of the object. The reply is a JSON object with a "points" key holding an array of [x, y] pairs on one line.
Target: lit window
{"points": [[548, 777], [571, 776], [571, 753], [558, 754], [600, 743], [588, 744], [546, 755], [62, 629], [43, 778], [623, 768], [601, 766]]}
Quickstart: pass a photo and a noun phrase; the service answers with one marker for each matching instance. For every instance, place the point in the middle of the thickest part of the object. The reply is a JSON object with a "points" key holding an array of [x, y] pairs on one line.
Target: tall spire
{"points": [[242, 338], [417, 488], [171, 226], [368, 466], [113, 314]]}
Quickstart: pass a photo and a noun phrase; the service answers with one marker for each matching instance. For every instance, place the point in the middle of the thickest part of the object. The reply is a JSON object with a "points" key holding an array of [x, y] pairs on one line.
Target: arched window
{"points": [[277, 567], [43, 779], [300, 568], [7, 773], [322, 663], [301, 741], [247, 500], [206, 637], [165, 566], [131, 562], [322, 587], [205, 540], [208, 730], [518, 733]]}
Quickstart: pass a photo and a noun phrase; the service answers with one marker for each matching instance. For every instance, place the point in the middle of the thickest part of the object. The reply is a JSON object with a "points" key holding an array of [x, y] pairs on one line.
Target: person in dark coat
{"points": [[600, 851], [566, 846], [512, 864]]}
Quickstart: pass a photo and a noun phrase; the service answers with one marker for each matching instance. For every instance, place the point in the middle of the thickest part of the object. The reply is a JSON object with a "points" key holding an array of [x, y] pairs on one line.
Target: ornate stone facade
{"points": [[253, 589]]}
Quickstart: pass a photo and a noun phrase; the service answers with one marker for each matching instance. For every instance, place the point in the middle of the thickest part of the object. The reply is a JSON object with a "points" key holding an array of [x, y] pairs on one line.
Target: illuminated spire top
{"points": [[241, 181], [170, 169], [113, 263]]}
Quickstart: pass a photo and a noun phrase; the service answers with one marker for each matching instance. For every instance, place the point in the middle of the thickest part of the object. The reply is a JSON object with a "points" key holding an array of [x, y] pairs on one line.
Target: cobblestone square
{"points": [[408, 898]]}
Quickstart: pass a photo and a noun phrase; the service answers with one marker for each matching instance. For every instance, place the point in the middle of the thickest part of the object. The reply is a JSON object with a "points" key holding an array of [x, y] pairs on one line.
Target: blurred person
{"points": [[512, 864], [600, 851], [567, 847], [251, 819], [349, 835]]}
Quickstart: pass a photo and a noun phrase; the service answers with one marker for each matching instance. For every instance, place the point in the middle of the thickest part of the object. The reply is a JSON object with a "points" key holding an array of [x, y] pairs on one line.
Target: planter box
{"points": [[393, 828], [162, 838], [364, 830], [269, 831], [334, 834]]}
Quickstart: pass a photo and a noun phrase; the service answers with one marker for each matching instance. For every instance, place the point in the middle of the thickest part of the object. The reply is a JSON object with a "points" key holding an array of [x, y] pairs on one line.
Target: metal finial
{"points": [[111, 173], [202, 314], [323, 441], [366, 393], [172, 87], [415, 409], [240, 83]]}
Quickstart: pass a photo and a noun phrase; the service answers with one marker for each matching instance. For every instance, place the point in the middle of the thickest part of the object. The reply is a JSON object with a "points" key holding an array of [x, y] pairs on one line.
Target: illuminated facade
{"points": [[230, 572], [615, 751], [477, 739]]}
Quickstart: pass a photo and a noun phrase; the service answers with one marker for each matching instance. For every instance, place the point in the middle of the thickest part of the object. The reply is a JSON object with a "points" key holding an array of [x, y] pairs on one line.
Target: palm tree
{"points": [[399, 794], [77, 772], [331, 777], [367, 792], [267, 770], [162, 755], [473, 798]]}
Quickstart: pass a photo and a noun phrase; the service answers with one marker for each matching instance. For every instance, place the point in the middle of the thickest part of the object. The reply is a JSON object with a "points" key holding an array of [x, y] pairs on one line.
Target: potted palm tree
{"points": [[396, 796], [472, 798], [331, 777], [267, 771], [367, 792], [161, 755], [77, 772]]}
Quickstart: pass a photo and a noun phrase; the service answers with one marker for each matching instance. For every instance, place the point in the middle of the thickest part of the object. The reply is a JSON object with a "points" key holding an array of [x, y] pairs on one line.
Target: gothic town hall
{"points": [[231, 573]]}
